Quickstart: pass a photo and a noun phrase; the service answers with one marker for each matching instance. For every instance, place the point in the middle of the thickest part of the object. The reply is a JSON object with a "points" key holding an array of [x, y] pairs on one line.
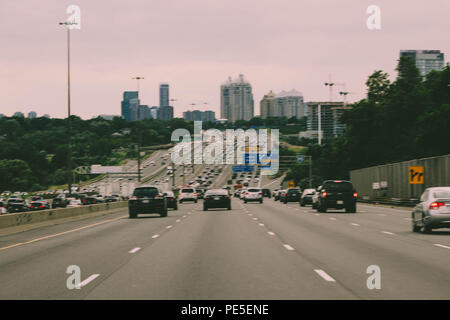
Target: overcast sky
{"points": [[194, 45]]}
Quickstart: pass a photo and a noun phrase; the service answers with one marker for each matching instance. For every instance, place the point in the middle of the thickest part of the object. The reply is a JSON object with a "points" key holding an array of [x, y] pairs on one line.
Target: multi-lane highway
{"points": [[254, 251]]}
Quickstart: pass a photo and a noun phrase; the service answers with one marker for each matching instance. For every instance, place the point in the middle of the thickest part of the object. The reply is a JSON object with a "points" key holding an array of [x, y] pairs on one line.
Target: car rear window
{"points": [[442, 194], [145, 192], [253, 190], [216, 192], [338, 186], [187, 190]]}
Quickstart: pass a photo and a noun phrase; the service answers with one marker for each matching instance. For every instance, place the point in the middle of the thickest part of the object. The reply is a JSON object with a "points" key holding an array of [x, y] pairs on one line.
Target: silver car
{"points": [[433, 211]]}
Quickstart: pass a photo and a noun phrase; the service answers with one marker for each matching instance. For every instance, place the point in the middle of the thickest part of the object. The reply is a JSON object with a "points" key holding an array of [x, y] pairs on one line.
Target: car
{"points": [[337, 194], [100, 198], [3, 207], [274, 193], [36, 198], [282, 194], [433, 211], [292, 195], [187, 194], [253, 194], [60, 201], [266, 193], [171, 200], [307, 197], [39, 205], [110, 199], [16, 205], [216, 198], [146, 200], [200, 193], [74, 203], [89, 200]]}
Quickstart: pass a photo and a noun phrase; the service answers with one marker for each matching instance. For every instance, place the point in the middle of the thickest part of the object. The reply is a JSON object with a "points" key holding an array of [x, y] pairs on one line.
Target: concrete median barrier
{"points": [[53, 215]]}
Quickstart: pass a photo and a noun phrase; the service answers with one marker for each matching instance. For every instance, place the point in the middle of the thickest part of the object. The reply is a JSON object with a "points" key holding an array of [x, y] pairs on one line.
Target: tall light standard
{"points": [[139, 128], [69, 127]]}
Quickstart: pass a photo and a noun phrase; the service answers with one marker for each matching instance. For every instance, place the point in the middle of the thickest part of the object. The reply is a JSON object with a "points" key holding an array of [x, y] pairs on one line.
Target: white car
{"points": [[187, 194], [74, 203], [253, 194]]}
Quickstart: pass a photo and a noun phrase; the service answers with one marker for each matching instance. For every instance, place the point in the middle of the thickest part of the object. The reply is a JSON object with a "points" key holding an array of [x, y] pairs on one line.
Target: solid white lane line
{"points": [[288, 247], [155, 236], [134, 250], [271, 233], [441, 246], [324, 275], [354, 224], [91, 278], [387, 232]]}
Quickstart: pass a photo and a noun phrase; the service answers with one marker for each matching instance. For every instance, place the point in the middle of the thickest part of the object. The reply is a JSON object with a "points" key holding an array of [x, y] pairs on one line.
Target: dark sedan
{"points": [[39, 205], [216, 198], [292, 195], [171, 200], [16, 205]]}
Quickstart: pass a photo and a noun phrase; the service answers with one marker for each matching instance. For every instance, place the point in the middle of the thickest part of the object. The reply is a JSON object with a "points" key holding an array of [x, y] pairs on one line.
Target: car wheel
{"points": [[195, 201], [205, 208], [229, 207], [176, 207], [245, 201], [132, 214], [302, 204], [164, 212], [415, 228], [426, 228], [351, 209], [261, 201]]}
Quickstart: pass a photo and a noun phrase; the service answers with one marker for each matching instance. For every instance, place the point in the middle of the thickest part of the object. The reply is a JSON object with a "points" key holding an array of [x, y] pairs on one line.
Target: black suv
{"points": [[60, 202], [266, 193], [337, 194], [292, 195], [147, 199]]}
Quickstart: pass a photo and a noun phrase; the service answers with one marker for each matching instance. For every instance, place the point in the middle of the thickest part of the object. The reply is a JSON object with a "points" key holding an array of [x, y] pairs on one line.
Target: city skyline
{"points": [[194, 56]]}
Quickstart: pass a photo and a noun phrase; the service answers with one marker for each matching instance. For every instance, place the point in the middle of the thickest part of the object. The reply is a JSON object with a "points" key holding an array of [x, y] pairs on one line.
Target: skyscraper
{"points": [[266, 105], [165, 113], [425, 60], [129, 105], [236, 99], [285, 104], [163, 95]]}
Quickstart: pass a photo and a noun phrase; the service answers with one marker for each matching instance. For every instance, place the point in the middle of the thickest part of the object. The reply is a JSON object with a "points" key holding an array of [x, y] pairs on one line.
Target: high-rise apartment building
{"points": [[197, 115], [32, 115], [285, 104], [425, 60], [236, 99], [154, 112], [165, 113], [163, 95]]}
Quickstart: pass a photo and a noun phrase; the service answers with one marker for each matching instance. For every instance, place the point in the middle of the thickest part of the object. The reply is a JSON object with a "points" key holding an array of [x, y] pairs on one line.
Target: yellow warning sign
{"points": [[416, 175], [291, 184]]}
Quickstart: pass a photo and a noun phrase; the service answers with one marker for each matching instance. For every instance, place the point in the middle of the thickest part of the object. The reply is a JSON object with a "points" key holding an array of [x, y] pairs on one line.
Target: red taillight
{"points": [[436, 205], [259, 192], [324, 194], [159, 196], [133, 198], [195, 194], [355, 195], [41, 207]]}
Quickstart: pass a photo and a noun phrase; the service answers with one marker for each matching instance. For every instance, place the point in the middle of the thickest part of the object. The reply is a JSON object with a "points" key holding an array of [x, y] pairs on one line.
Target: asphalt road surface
{"points": [[254, 251]]}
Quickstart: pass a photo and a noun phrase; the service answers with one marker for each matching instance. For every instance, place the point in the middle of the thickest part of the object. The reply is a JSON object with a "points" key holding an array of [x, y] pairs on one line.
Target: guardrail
{"points": [[30, 217]]}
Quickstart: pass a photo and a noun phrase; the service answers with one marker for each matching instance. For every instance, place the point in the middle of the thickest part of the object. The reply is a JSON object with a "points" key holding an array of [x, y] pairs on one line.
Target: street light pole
{"points": [[139, 128], [69, 126]]}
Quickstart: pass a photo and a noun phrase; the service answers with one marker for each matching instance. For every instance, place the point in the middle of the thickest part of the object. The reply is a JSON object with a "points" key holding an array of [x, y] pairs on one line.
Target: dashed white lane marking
{"points": [[168, 227], [355, 224], [382, 214], [91, 278], [332, 218], [184, 216], [324, 275], [250, 214], [387, 232], [261, 224], [316, 214], [271, 233], [255, 218], [288, 247], [134, 250], [177, 220], [441, 246], [155, 236], [407, 219]]}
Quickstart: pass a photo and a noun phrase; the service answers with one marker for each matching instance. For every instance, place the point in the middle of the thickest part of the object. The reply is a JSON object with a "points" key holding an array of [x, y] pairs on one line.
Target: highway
{"points": [[254, 251]]}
